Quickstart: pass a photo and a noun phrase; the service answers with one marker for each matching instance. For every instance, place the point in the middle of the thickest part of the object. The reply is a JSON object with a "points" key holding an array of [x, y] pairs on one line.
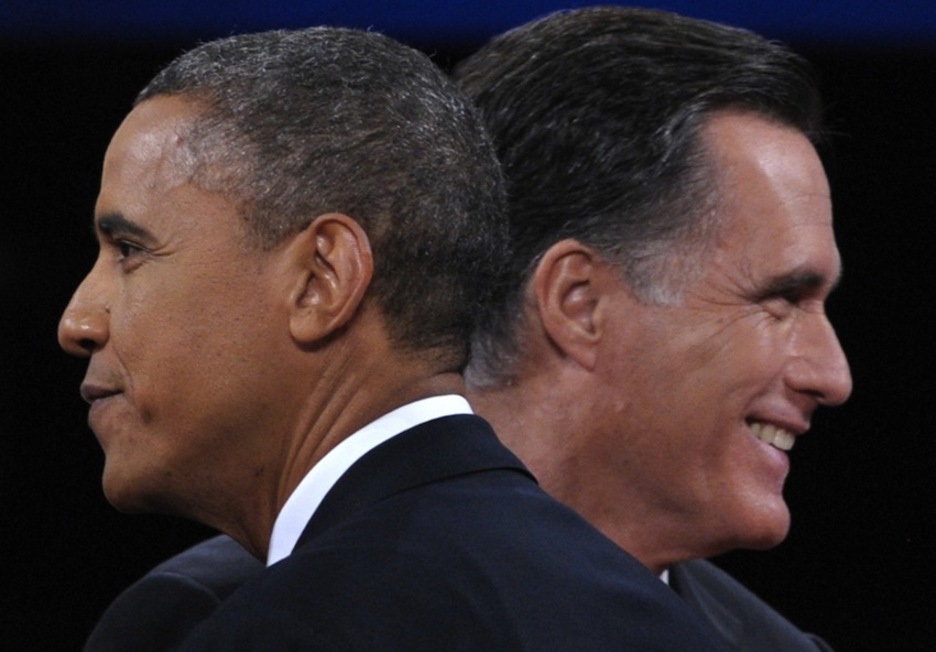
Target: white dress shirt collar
{"points": [[308, 495]]}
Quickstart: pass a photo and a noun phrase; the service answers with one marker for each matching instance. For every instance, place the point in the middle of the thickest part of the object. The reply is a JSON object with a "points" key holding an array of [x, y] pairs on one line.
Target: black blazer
{"points": [[744, 621], [440, 540], [156, 612]]}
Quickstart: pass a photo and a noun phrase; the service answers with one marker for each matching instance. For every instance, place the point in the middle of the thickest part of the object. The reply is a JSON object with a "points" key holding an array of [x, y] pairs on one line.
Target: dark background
{"points": [[856, 568]]}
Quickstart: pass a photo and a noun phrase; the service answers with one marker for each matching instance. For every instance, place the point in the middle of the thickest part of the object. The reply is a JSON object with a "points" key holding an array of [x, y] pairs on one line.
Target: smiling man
{"points": [[661, 341], [297, 231]]}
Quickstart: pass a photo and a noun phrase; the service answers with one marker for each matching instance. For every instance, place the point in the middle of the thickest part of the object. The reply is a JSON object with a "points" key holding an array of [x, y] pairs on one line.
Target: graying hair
{"points": [[597, 116], [294, 124]]}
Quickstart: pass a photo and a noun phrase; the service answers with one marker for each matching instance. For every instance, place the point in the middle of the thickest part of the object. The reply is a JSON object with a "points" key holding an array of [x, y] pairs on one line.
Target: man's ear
{"points": [[333, 265], [568, 286]]}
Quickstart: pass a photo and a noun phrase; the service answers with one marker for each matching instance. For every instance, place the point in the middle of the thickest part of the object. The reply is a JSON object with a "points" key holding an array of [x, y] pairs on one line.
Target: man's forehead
{"points": [[152, 145], [747, 138]]}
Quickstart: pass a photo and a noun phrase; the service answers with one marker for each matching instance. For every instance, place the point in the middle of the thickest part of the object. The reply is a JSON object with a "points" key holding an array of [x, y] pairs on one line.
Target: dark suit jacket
{"points": [[743, 619], [159, 610], [440, 540]]}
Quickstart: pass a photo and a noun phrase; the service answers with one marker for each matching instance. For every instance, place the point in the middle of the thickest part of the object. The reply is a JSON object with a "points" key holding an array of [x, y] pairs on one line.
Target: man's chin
{"points": [[126, 493], [745, 525], [768, 529]]}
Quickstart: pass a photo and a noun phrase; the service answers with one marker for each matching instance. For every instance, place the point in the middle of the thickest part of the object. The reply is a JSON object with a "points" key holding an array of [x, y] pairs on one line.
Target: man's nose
{"points": [[84, 327], [822, 368]]}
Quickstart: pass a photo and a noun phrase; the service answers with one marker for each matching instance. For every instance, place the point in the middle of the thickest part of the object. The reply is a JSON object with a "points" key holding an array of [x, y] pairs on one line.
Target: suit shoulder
{"points": [[160, 608], [219, 564], [740, 616]]}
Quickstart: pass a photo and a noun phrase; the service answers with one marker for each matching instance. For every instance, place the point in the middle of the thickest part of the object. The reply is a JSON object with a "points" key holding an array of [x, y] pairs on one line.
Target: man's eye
{"points": [[785, 297], [127, 249]]}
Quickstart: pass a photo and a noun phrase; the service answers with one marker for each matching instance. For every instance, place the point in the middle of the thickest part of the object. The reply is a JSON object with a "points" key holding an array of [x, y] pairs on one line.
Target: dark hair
{"points": [[596, 115], [294, 124]]}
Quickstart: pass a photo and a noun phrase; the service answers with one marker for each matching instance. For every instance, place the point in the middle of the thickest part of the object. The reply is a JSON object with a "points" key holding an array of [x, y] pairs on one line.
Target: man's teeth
{"points": [[776, 437]]}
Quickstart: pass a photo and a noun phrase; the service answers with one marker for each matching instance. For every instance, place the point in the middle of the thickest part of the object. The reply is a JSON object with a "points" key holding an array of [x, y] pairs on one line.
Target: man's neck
{"points": [[329, 418]]}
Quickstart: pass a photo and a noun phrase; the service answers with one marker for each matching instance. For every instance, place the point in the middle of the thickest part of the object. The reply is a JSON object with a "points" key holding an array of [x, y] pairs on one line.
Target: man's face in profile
{"points": [[177, 319], [714, 391]]}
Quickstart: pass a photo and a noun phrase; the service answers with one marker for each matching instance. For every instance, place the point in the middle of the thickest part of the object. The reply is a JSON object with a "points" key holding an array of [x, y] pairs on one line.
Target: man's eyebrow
{"points": [[115, 225], [799, 281]]}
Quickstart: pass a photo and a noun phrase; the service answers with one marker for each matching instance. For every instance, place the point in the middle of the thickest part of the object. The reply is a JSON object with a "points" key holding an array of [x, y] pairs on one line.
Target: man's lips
{"points": [[91, 392]]}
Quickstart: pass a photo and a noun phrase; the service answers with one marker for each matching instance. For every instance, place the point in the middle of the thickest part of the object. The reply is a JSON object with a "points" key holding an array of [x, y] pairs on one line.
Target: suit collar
{"points": [[432, 451]]}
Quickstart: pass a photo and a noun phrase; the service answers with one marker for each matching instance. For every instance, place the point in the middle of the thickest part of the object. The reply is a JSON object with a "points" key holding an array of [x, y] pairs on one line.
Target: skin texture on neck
{"points": [[368, 384], [545, 416], [563, 469]]}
